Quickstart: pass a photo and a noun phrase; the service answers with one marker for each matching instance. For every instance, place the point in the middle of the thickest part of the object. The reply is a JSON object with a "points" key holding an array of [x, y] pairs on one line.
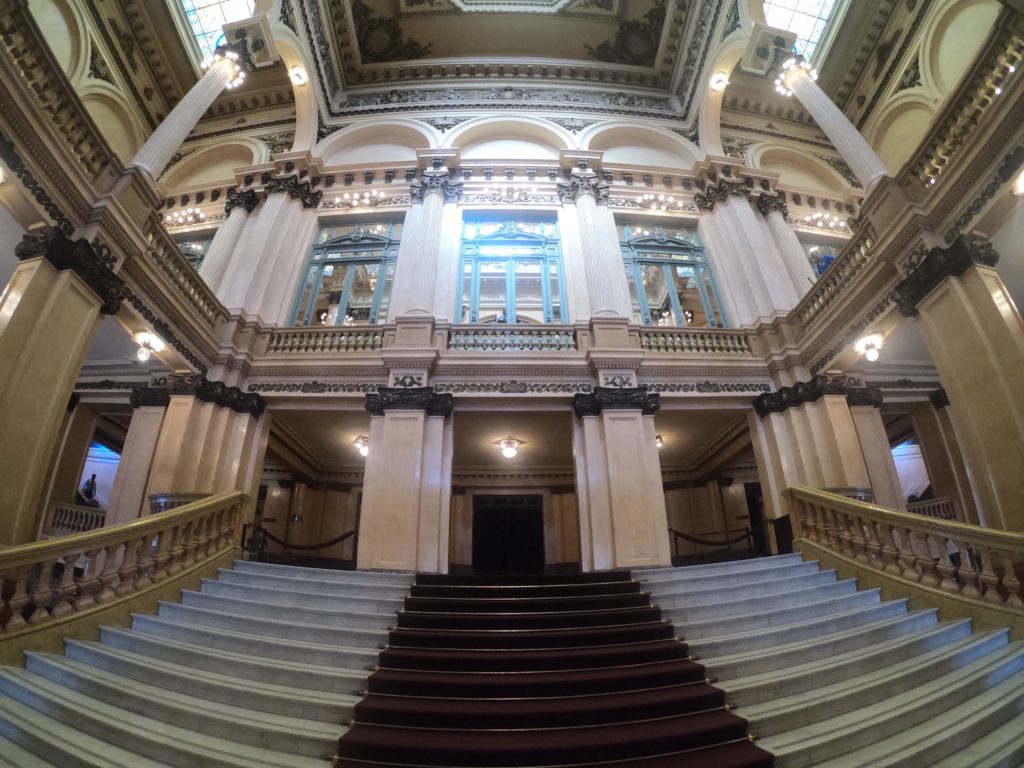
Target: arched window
{"points": [[511, 272], [668, 277], [206, 17], [348, 281], [807, 18]]}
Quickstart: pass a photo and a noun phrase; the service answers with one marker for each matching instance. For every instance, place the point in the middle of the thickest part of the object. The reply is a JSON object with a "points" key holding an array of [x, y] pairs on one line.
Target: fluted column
{"points": [[238, 208], [798, 266], [160, 147], [867, 166], [416, 276], [605, 273]]}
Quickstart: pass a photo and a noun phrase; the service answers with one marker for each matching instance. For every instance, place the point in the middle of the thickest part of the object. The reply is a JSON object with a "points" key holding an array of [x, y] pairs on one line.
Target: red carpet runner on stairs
{"points": [[575, 670]]}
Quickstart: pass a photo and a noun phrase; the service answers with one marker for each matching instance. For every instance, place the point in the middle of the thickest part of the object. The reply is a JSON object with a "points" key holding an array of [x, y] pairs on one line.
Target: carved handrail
{"points": [[942, 508], [55, 578], [62, 519], [699, 340], [512, 338], [965, 560], [364, 338]]}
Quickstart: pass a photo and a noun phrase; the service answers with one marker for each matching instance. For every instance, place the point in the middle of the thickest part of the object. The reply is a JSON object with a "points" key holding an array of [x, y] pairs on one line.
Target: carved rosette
{"points": [[772, 203], [583, 184], [962, 254], [616, 398], [143, 397], [409, 399], [296, 190], [813, 390], [246, 198], [78, 256], [216, 392], [710, 197], [435, 183]]}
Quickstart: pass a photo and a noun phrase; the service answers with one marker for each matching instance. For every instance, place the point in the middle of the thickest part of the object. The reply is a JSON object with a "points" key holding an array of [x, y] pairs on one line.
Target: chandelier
{"points": [[823, 221], [364, 200], [659, 202], [148, 344], [789, 67], [186, 216], [230, 59]]}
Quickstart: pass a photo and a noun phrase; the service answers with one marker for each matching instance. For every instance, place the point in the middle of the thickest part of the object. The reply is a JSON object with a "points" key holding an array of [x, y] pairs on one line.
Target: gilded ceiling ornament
{"points": [[635, 42], [380, 39]]}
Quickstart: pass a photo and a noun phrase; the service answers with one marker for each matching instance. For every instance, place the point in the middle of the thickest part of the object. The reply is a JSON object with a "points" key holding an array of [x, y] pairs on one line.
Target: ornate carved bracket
{"points": [[939, 399], [80, 257], [869, 396], [962, 254], [709, 198], [216, 392], [616, 398], [435, 183], [296, 190], [582, 183], [408, 399], [813, 390], [245, 198], [767, 203], [142, 397]]}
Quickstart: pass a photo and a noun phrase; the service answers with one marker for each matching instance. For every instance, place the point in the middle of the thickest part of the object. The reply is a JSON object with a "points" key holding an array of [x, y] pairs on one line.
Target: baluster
{"points": [[162, 556], [907, 558], [1011, 582], [845, 535], [88, 584], [66, 588], [191, 542], [129, 569], [201, 533], [968, 573], [145, 575], [108, 574], [859, 540], [947, 569], [18, 599], [177, 549], [40, 594], [989, 579], [874, 546]]}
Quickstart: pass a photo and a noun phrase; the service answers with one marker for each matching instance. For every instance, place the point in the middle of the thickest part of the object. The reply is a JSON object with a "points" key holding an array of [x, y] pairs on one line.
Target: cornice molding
{"points": [[825, 385], [616, 398], [940, 263], [409, 399]]}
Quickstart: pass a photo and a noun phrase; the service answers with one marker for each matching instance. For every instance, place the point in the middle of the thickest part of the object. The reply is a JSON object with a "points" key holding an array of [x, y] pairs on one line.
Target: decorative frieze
{"points": [[313, 387], [616, 398], [433, 182], [80, 257], [811, 391], [14, 163], [215, 392], [143, 397], [513, 387], [709, 387], [296, 190], [962, 254], [409, 399], [868, 396]]}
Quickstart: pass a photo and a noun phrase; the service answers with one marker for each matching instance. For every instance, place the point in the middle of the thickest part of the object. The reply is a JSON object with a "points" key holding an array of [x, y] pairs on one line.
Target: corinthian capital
{"points": [[435, 183], [767, 203], [582, 183], [245, 198]]}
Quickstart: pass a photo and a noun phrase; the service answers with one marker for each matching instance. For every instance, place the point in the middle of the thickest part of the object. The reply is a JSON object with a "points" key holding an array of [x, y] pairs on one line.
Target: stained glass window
{"points": [[207, 17], [807, 18]]}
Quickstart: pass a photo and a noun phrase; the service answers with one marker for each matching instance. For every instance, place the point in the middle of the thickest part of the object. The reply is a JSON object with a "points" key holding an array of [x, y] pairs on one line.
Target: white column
{"points": [[799, 267], [867, 166], [215, 263], [160, 147], [416, 277]]}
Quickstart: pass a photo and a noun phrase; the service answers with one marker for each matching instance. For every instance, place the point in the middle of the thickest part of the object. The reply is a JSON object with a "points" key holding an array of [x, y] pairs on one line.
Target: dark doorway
{"points": [[508, 534], [755, 508]]}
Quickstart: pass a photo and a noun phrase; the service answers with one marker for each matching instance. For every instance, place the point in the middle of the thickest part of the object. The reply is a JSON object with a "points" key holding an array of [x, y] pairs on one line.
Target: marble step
{"points": [[788, 712], [141, 735], [733, 566], [794, 678], [214, 638], [273, 671], [732, 604], [53, 743], [685, 596], [279, 628], [194, 714], [813, 744], [815, 647], [14, 756], [751, 638], [1002, 747], [283, 612], [312, 585], [290, 597], [682, 577], [764, 615], [220, 686], [380, 578]]}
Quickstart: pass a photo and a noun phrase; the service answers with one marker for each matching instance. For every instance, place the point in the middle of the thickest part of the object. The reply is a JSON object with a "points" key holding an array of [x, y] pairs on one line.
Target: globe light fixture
{"points": [[185, 216], [658, 441], [148, 344], [362, 444], [719, 80], [509, 447], [869, 346], [298, 75]]}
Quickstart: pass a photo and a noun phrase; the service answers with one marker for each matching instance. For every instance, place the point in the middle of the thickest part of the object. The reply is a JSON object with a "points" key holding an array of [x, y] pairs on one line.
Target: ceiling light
{"points": [[363, 444], [509, 446], [869, 346], [658, 441], [1018, 185], [148, 344], [719, 80], [184, 216], [298, 75], [231, 61]]}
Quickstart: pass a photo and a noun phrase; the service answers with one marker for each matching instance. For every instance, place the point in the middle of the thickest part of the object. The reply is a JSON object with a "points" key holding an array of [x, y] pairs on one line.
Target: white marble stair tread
{"points": [[290, 597], [951, 738], [823, 670], [276, 671], [753, 564], [15, 756], [289, 630], [765, 615], [325, 574], [732, 604], [299, 613], [143, 735], [737, 578], [686, 596], [312, 586], [814, 648], [216, 719], [291, 700], [792, 711], [824, 740], [63, 745], [215, 638], [756, 638]]}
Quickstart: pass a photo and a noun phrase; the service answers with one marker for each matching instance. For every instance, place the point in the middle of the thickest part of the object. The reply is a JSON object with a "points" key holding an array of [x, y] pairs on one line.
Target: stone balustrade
{"points": [[830, 285], [172, 262], [319, 340], [974, 563], [57, 578], [512, 338], [63, 519], [943, 508], [693, 340]]}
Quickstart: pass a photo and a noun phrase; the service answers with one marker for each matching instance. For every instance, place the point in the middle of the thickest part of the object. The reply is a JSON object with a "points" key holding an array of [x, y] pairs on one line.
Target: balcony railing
{"points": [[63, 519], [490, 338], [943, 508], [828, 288], [694, 341], [317, 340]]}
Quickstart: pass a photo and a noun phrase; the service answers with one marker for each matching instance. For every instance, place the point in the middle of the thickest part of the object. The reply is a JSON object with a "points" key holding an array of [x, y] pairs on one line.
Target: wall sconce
{"points": [[719, 80], [298, 75], [362, 443], [658, 441], [869, 346], [148, 344], [509, 446]]}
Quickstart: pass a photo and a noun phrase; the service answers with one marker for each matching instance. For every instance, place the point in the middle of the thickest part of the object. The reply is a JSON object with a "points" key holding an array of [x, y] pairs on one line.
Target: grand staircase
{"points": [[267, 665]]}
